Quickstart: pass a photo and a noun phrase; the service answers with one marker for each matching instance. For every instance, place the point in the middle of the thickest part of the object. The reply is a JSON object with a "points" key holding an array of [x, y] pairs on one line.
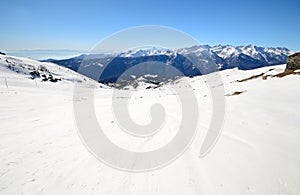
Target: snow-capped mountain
{"points": [[267, 54], [251, 56], [192, 61], [145, 52]]}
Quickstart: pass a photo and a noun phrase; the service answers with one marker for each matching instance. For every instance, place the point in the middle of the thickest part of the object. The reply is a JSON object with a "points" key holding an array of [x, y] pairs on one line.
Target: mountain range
{"points": [[158, 64]]}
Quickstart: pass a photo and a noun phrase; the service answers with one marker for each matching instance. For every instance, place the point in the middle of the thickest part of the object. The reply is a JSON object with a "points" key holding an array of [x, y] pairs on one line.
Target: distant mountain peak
{"points": [[219, 57]]}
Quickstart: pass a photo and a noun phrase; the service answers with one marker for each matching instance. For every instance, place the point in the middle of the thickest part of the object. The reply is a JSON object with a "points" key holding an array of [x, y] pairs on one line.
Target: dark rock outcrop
{"points": [[293, 62]]}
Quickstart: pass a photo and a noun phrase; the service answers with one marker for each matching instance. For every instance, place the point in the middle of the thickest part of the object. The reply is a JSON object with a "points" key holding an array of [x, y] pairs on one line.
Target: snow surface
{"points": [[257, 152]]}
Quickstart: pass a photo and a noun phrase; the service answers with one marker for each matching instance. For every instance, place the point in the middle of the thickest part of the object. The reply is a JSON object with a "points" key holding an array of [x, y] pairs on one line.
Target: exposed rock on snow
{"points": [[40, 71], [293, 62]]}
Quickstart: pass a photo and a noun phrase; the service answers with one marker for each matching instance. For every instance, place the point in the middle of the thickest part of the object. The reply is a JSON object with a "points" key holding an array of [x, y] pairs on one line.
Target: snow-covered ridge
{"points": [[250, 50], [145, 52], [191, 61], [25, 68], [224, 51], [225, 56]]}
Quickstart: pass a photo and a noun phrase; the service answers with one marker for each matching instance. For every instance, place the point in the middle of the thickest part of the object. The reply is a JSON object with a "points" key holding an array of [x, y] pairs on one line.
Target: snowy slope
{"points": [[32, 71], [257, 153]]}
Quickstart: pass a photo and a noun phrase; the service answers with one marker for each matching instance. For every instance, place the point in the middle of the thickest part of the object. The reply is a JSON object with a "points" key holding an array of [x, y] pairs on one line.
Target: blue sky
{"points": [[58, 24]]}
